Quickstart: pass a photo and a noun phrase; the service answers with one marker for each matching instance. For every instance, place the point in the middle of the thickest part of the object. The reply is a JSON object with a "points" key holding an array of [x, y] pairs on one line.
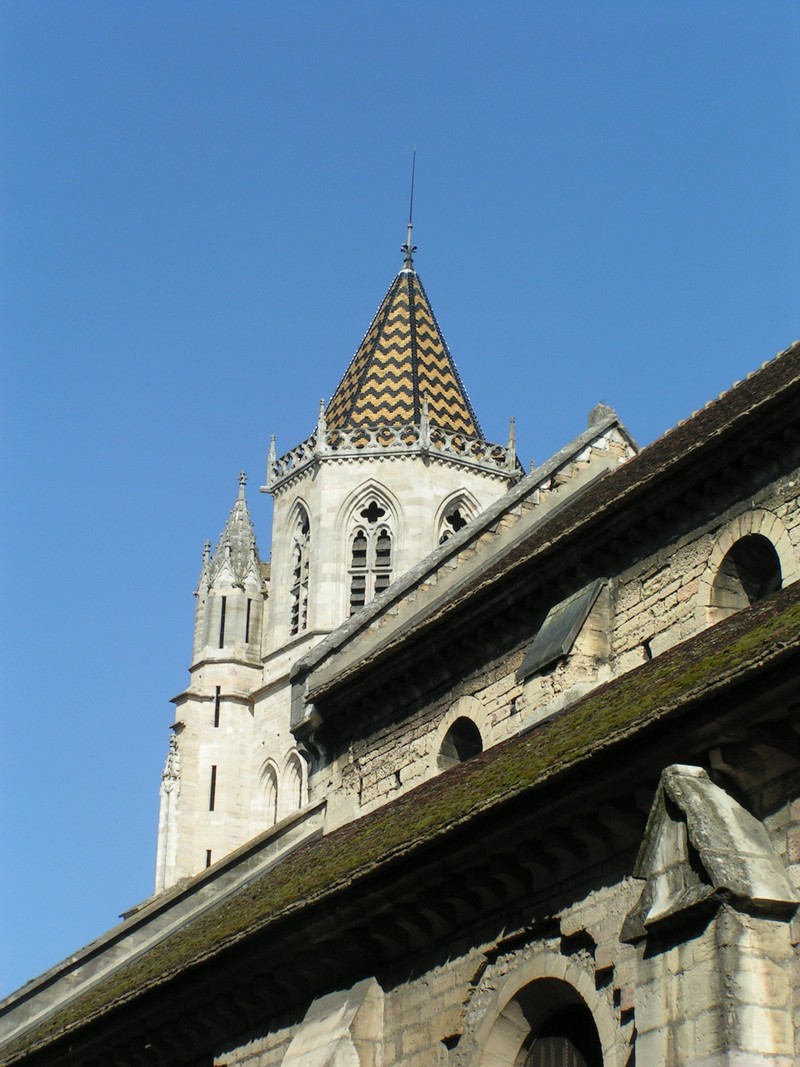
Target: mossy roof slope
{"points": [[700, 668]]}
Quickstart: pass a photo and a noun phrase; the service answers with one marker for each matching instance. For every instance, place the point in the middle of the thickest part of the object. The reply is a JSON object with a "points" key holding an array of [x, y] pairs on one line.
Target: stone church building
{"points": [[483, 768]]}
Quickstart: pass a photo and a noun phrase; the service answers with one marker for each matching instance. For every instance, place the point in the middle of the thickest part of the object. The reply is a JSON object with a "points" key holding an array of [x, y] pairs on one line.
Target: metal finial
{"points": [[409, 248], [242, 483]]}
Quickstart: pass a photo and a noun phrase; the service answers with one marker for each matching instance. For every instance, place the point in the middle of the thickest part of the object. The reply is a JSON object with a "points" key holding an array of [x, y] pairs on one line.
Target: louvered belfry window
{"points": [[567, 1038], [370, 556], [554, 1052], [298, 611]]}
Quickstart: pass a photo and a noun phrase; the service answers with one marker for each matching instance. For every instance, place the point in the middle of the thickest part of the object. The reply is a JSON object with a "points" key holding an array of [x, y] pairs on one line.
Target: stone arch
{"points": [[543, 985], [455, 511], [467, 709], [293, 784], [754, 536], [265, 802]]}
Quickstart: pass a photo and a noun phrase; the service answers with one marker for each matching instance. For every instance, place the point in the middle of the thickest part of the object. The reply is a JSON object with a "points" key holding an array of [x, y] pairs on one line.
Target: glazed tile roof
{"points": [[402, 359]]}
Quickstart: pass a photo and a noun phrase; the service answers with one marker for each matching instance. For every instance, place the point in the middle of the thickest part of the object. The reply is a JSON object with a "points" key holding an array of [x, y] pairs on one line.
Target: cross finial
{"points": [[409, 248]]}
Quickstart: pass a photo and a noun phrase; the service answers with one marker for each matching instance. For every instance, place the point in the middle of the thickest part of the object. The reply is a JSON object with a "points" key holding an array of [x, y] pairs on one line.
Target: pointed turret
{"points": [[236, 554], [201, 595], [210, 744], [229, 592]]}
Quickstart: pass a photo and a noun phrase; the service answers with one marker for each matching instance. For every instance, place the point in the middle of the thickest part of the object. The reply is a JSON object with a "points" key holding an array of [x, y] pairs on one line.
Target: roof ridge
{"points": [[793, 348]]}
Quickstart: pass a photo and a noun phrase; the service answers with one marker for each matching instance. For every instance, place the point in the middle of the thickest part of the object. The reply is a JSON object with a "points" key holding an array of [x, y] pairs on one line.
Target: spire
{"points": [[236, 549], [409, 247], [511, 447], [204, 580], [402, 358]]}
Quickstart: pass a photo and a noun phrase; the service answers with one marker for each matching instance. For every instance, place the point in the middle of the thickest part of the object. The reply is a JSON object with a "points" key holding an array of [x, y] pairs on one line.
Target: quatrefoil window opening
{"points": [[372, 512], [454, 521]]}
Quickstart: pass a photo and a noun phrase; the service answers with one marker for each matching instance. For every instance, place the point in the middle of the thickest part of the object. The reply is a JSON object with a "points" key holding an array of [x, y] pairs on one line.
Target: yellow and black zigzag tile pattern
{"points": [[402, 358]]}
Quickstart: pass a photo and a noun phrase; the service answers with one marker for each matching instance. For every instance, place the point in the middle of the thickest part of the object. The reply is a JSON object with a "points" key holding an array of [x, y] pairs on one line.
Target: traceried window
{"points": [[370, 566], [457, 514], [298, 619]]}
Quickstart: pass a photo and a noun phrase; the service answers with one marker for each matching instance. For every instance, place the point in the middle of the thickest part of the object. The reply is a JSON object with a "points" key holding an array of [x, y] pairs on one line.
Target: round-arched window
{"points": [[547, 1023], [566, 1038], [750, 571], [461, 742]]}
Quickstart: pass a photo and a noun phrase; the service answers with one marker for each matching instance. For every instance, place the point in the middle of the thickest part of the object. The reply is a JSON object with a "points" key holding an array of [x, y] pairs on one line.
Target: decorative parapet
{"points": [[404, 439]]}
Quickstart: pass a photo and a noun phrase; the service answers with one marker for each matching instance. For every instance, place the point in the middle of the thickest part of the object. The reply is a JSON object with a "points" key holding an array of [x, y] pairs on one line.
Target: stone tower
{"points": [[212, 731], [396, 464]]}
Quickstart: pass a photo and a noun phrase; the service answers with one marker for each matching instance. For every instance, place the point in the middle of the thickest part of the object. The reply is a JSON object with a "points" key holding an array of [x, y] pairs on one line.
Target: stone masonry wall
{"points": [[718, 988], [442, 1008], [659, 600]]}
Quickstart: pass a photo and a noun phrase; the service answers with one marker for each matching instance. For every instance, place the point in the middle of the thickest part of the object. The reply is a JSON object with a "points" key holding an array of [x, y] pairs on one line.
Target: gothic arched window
{"points": [[292, 785], [298, 616], [266, 807], [370, 565], [456, 516]]}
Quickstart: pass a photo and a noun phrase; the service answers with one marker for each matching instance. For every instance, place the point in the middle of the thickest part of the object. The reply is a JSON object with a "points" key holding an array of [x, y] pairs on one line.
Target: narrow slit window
{"points": [[212, 793], [222, 623], [247, 621], [217, 701], [208, 857]]}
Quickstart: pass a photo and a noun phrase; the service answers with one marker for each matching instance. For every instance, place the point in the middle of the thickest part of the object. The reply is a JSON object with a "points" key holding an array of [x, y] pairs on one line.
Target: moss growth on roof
{"points": [[699, 668]]}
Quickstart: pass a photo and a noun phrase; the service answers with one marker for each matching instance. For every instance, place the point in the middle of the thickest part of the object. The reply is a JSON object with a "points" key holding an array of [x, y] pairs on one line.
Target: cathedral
{"points": [[479, 767]]}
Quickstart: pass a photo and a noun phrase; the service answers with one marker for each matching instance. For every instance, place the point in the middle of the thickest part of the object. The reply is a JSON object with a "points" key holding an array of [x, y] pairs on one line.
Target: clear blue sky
{"points": [[202, 206]]}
